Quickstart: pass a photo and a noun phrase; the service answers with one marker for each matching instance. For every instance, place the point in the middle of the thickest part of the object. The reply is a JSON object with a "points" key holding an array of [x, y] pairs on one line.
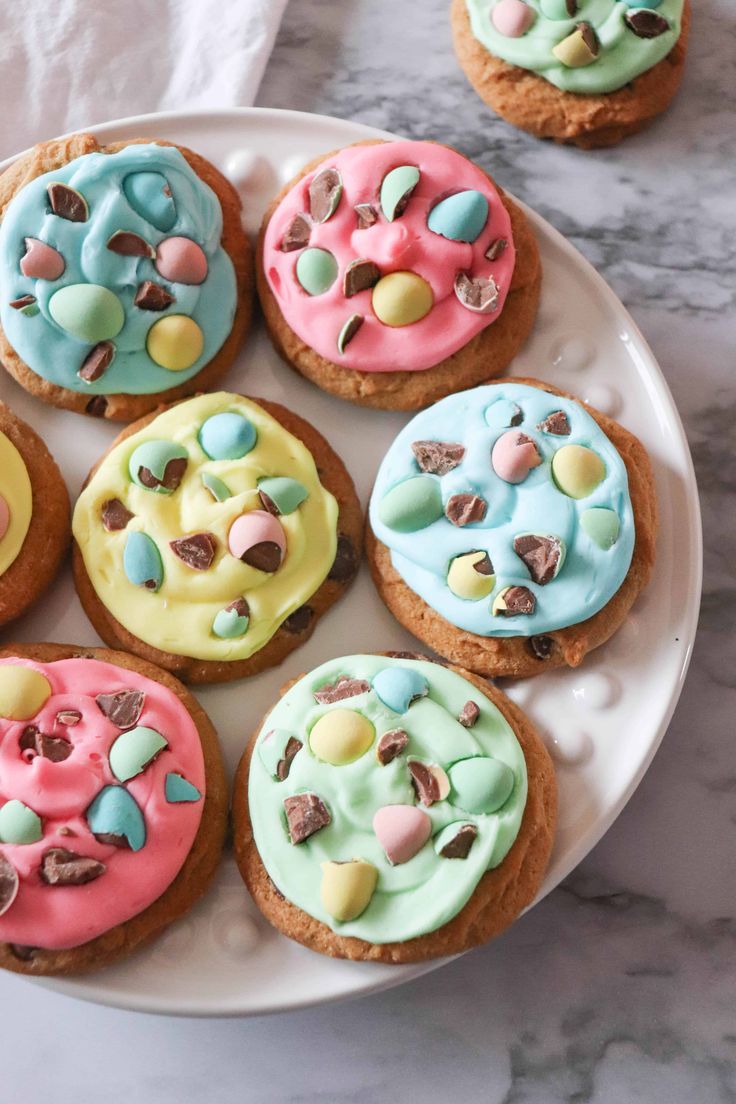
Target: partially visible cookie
{"points": [[34, 516], [393, 273], [212, 536], [393, 810], [113, 806], [125, 274], [571, 70], [512, 527]]}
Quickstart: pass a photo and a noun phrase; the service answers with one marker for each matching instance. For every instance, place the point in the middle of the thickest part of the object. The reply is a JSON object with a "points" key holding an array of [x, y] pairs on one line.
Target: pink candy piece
{"points": [[402, 830], [514, 455], [255, 527], [181, 261], [4, 517], [512, 18], [41, 261]]}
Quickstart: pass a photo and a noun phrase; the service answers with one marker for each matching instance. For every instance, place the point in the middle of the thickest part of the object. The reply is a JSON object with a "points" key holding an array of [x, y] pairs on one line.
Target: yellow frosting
{"points": [[178, 618], [15, 487]]}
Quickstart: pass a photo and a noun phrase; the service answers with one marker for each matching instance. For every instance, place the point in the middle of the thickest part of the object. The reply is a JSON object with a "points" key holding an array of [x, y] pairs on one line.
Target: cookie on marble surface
{"points": [[113, 806], [393, 273], [34, 516], [125, 274], [393, 809], [579, 72], [211, 537], [512, 527]]}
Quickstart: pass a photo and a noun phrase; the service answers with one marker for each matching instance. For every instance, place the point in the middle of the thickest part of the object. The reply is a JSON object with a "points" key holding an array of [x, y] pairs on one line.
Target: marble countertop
{"points": [[621, 985]]}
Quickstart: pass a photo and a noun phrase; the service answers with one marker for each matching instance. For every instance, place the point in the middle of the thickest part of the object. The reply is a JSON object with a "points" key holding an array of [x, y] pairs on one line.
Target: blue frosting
{"points": [[590, 575], [108, 184]]}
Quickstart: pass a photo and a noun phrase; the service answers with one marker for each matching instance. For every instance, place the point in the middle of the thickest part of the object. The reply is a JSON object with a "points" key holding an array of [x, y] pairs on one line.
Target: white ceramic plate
{"points": [[603, 723]]}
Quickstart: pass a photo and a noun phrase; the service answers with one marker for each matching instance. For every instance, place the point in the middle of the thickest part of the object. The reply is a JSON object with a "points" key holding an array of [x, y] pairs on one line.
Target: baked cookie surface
{"points": [[383, 805]]}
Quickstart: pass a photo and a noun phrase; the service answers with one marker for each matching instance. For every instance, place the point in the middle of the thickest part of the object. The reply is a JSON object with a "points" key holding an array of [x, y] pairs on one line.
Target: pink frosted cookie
{"points": [[112, 806], [393, 273]]}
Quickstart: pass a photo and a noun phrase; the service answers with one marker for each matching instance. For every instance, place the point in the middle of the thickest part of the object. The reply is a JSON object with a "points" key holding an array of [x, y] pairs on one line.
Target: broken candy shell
{"points": [[401, 830], [601, 525], [297, 234], [4, 517], [9, 883], [89, 312], [232, 621], [219, 490], [62, 867], [477, 293], [248, 535], [579, 48], [114, 812], [398, 687], [41, 261], [348, 331], [178, 789], [411, 505], [181, 261], [347, 888], [455, 841], [471, 576], [122, 708], [197, 550], [142, 562], [325, 192], [341, 736], [396, 189], [149, 194], [514, 455], [542, 554], [148, 466], [513, 600], [227, 436], [401, 298], [480, 784], [67, 202], [134, 750], [503, 414], [19, 824], [512, 18], [316, 270], [277, 747], [577, 470], [23, 691], [306, 813], [281, 495], [438, 457], [460, 217], [175, 342]]}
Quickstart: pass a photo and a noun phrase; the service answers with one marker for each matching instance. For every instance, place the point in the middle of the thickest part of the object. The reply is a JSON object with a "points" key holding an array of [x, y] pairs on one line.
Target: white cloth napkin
{"points": [[67, 64]]}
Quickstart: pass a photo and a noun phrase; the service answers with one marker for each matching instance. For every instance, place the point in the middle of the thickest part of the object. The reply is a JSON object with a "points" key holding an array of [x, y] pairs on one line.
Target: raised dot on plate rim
{"points": [[604, 398], [235, 932], [572, 353], [597, 690], [245, 168], [572, 749]]}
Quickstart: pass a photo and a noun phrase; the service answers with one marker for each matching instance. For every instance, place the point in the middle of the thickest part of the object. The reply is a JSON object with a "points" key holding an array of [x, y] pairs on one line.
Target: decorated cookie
{"points": [[112, 806], [512, 527], [211, 537], [393, 809], [34, 516], [588, 72], [392, 273], [124, 275]]}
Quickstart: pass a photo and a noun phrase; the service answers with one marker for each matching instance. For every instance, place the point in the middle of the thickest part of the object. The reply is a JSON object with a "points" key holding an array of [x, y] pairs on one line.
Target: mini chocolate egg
{"points": [[134, 750], [341, 736], [514, 455], [601, 525], [276, 751], [412, 505], [281, 494], [219, 490], [227, 436], [455, 840], [396, 189], [4, 517], [181, 261], [471, 576], [401, 298], [402, 831], [316, 270], [512, 18], [258, 539], [114, 812], [19, 824], [149, 194], [347, 888], [460, 217], [175, 342], [579, 48], [503, 414], [9, 884], [178, 790], [42, 261], [89, 312], [399, 687], [158, 466], [232, 621], [23, 691], [480, 784], [577, 470], [142, 562]]}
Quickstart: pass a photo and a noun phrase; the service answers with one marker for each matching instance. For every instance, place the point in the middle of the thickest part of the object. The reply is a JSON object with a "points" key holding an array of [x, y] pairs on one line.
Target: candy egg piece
{"points": [[396, 188], [316, 270], [276, 748], [601, 525], [341, 736], [89, 312], [19, 824], [142, 562], [513, 456], [460, 217], [480, 785], [555, 9], [42, 261], [181, 261], [148, 466], [219, 490], [114, 812], [23, 691], [503, 414], [579, 49], [227, 436], [9, 884], [471, 576], [175, 342], [402, 831], [4, 517], [178, 789], [411, 505], [149, 194], [281, 495], [577, 470], [398, 687], [347, 888], [512, 18], [401, 298], [257, 539], [232, 621], [134, 750]]}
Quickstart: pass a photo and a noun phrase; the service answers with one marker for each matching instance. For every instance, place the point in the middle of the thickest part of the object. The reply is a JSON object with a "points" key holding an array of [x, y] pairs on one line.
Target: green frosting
{"points": [[412, 505], [397, 186], [414, 897], [316, 271]]}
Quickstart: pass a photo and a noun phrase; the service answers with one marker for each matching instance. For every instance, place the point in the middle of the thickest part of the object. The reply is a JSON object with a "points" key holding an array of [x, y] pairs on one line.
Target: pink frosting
{"points": [[254, 528], [401, 830], [403, 244], [512, 18], [513, 457], [55, 916], [181, 260], [4, 517], [41, 261]]}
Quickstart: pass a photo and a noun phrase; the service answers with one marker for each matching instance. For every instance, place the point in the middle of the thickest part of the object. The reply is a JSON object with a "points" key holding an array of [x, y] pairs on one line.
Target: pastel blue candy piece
{"points": [[480, 785], [114, 812], [134, 750], [229, 624], [155, 456], [177, 789], [219, 490], [149, 194], [460, 217], [19, 824], [142, 562], [286, 494], [227, 436], [503, 413], [398, 687]]}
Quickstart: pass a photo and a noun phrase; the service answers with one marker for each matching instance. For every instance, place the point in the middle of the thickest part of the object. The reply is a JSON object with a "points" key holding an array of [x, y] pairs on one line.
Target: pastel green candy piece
{"points": [[601, 525], [114, 812], [460, 217], [30, 310], [286, 494], [178, 789], [229, 624], [316, 271], [89, 312], [19, 824], [219, 490], [227, 436], [555, 9], [480, 785], [272, 749], [412, 505], [577, 470], [149, 194], [134, 750], [396, 189], [142, 562], [154, 456], [398, 687], [348, 332]]}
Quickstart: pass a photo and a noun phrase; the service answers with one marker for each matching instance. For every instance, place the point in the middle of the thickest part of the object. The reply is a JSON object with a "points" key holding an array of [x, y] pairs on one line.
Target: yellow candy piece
{"points": [[402, 298], [577, 470], [466, 581], [23, 692], [341, 736], [579, 48], [175, 342], [347, 888], [499, 602]]}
